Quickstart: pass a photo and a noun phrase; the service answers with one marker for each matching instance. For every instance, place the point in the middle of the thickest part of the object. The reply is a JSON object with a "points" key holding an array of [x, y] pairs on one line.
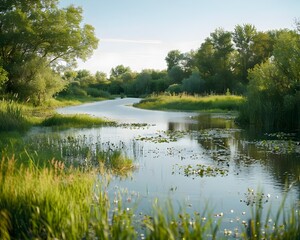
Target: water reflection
{"points": [[181, 139]]}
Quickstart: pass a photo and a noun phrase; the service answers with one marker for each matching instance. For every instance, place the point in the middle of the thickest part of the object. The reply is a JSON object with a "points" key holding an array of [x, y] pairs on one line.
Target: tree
{"points": [[193, 84], [118, 71], [262, 47], [176, 75], [274, 87], [205, 59], [174, 58], [214, 61], [101, 77], [142, 83], [3, 77], [34, 29], [243, 37], [37, 81]]}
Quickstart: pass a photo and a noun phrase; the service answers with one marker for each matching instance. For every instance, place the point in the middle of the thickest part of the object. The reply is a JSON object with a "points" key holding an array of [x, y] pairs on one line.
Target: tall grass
{"points": [[56, 202], [74, 121], [43, 203], [165, 224], [184, 102], [12, 117], [115, 161]]}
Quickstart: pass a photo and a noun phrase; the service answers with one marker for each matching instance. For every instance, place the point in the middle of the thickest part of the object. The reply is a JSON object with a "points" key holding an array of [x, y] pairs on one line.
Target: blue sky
{"points": [[140, 33]]}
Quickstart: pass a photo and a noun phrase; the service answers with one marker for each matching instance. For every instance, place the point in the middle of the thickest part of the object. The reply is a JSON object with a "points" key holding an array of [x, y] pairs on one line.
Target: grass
{"points": [[78, 151], [115, 161], [74, 121], [17, 116], [56, 202], [43, 203], [184, 102], [12, 117]]}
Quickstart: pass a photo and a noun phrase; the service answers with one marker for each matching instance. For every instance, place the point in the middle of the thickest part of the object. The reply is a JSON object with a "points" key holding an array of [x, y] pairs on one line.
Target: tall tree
{"points": [[243, 37], [174, 58], [34, 29], [214, 61]]}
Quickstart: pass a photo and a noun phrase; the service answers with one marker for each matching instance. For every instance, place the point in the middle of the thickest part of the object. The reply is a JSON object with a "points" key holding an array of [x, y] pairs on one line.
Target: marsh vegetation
{"points": [[109, 171], [106, 170]]}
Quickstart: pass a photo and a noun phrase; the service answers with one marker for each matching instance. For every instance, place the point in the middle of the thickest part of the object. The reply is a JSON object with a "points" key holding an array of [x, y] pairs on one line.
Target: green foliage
{"points": [[44, 203], [77, 120], [3, 78], [115, 161], [38, 38], [176, 75], [174, 58], [165, 224], [12, 117], [193, 84], [243, 37], [36, 82], [174, 88], [95, 92], [273, 92], [66, 203], [183, 102]]}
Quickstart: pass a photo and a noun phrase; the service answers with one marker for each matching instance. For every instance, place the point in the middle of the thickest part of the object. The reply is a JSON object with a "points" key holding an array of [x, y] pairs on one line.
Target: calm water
{"points": [[168, 142]]}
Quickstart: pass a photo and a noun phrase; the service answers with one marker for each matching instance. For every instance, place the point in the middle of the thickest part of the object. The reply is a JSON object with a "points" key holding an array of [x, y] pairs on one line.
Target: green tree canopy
{"points": [[34, 29], [243, 37]]}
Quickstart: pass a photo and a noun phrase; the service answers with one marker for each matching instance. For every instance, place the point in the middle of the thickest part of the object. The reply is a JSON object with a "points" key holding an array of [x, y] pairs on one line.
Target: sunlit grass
{"points": [[75, 121], [43, 203], [115, 161], [12, 117], [56, 202], [184, 102]]}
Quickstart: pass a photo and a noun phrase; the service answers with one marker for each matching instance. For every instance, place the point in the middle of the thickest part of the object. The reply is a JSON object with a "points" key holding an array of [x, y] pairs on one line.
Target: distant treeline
{"points": [[40, 43], [264, 66]]}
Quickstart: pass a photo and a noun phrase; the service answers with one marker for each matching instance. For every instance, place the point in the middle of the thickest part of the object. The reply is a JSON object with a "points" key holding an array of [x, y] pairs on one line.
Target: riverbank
{"points": [[55, 199], [184, 102], [19, 116]]}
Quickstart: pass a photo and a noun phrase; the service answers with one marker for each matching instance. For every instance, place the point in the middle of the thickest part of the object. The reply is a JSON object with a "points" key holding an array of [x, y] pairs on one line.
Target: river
{"points": [[170, 148]]}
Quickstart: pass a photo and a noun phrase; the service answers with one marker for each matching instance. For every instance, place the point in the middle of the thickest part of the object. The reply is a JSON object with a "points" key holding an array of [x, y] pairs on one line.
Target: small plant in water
{"points": [[200, 170], [115, 161]]}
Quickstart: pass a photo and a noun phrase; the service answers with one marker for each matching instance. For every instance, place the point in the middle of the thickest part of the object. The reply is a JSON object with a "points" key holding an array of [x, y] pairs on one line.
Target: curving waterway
{"points": [[170, 148]]}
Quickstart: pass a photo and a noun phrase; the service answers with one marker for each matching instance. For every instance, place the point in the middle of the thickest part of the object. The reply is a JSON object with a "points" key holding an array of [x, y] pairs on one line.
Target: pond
{"points": [[196, 160]]}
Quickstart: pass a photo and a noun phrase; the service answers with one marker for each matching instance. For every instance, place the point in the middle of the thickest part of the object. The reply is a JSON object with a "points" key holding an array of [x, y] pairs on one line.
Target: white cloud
{"points": [[117, 40]]}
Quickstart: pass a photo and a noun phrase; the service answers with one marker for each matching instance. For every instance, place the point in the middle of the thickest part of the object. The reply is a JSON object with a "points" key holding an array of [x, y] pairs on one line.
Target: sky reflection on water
{"points": [[173, 139]]}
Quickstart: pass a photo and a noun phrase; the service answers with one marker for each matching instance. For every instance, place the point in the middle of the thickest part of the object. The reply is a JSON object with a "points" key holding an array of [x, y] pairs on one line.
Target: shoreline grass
{"points": [[16, 116], [184, 102], [56, 202], [74, 121]]}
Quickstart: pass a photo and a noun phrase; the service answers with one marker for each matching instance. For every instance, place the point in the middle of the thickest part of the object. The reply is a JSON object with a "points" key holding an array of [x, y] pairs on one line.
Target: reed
{"points": [[115, 161], [12, 117], [165, 224], [43, 203]]}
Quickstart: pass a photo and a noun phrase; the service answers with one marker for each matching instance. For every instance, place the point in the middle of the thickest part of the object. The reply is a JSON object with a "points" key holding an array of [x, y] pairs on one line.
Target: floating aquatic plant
{"points": [[200, 170]]}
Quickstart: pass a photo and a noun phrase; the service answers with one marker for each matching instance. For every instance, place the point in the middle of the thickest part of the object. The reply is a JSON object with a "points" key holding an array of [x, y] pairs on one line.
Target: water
{"points": [[169, 142]]}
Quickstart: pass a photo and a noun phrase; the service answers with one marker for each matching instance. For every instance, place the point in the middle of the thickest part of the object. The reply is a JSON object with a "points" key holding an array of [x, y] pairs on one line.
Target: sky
{"points": [[140, 33]]}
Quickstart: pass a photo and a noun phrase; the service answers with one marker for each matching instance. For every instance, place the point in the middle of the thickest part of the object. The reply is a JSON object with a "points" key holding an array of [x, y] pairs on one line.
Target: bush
{"points": [[174, 88], [94, 92]]}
